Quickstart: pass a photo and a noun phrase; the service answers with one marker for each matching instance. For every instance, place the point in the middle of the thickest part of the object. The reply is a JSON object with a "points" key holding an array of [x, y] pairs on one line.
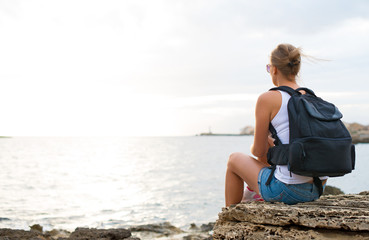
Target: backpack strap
{"points": [[318, 183], [306, 90], [292, 91], [289, 90], [274, 135], [276, 142], [270, 175], [272, 130]]}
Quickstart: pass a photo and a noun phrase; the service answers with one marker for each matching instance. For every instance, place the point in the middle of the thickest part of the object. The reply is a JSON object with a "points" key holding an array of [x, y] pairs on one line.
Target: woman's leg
{"points": [[241, 168]]}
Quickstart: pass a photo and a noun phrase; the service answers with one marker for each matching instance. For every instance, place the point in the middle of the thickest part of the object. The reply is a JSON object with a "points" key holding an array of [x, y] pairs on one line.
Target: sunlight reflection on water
{"points": [[116, 182]]}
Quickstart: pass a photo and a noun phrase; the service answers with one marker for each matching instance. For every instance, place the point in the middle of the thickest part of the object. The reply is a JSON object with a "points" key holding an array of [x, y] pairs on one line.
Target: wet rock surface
{"points": [[101, 234], [330, 217], [164, 228], [163, 231], [78, 234], [166, 231], [10, 234]]}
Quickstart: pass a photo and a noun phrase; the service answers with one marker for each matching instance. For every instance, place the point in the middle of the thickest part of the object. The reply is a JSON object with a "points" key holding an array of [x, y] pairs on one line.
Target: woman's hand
{"points": [[270, 140], [264, 158]]}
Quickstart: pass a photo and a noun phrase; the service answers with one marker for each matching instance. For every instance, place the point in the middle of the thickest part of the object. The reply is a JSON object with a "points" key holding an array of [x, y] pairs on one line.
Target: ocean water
{"points": [[110, 182]]}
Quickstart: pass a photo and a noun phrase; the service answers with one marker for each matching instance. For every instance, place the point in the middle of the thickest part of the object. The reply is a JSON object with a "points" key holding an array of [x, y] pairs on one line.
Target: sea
{"points": [[113, 182]]}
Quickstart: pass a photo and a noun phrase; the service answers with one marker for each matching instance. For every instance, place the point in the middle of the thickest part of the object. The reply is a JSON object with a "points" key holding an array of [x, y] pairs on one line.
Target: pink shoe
{"points": [[250, 195]]}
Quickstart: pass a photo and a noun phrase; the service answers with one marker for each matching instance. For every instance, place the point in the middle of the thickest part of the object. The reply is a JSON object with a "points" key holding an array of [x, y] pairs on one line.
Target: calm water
{"points": [[118, 182]]}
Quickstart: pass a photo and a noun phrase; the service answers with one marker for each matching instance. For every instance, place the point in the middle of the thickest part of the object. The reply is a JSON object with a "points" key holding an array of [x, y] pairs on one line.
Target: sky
{"points": [[169, 67]]}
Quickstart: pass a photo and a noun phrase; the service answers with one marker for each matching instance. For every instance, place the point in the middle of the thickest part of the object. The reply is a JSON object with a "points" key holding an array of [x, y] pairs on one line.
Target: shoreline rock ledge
{"points": [[330, 217]]}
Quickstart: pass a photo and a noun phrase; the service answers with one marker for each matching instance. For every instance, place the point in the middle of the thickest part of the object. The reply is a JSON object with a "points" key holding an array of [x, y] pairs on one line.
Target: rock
{"points": [[56, 234], [78, 234], [166, 231], [164, 228], [330, 190], [193, 227], [36, 228], [330, 217], [100, 234], [248, 130], [207, 227], [359, 132], [200, 233], [356, 127], [197, 237], [360, 138], [10, 234]]}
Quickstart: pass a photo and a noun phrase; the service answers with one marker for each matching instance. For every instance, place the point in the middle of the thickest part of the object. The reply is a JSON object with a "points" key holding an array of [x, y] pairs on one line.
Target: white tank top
{"points": [[281, 124]]}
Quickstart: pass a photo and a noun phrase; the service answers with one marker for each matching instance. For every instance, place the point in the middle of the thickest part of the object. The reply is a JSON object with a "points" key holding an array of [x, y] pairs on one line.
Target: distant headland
{"points": [[359, 132], [248, 130]]}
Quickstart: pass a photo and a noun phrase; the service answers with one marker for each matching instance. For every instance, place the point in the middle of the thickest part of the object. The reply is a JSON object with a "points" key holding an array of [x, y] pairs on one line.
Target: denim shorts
{"points": [[278, 191]]}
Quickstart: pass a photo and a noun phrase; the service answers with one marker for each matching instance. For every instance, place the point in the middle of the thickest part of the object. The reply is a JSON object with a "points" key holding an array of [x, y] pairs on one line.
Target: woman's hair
{"points": [[287, 59]]}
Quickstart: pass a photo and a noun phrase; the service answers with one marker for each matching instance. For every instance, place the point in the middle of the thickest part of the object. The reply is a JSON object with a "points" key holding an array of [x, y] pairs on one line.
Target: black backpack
{"points": [[320, 144]]}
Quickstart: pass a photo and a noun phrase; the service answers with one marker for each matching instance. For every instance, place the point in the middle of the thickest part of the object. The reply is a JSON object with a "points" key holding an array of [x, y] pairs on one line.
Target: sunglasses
{"points": [[268, 66]]}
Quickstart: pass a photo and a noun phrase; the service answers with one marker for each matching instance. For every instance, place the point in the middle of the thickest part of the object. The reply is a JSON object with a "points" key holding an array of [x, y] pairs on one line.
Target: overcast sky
{"points": [[172, 68]]}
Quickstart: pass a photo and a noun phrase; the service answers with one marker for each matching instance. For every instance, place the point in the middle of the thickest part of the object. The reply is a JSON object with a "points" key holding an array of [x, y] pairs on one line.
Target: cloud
{"points": [[185, 64], [215, 99]]}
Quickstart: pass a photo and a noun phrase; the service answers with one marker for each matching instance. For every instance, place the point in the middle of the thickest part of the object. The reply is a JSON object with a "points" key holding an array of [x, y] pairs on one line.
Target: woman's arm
{"points": [[267, 106], [264, 159]]}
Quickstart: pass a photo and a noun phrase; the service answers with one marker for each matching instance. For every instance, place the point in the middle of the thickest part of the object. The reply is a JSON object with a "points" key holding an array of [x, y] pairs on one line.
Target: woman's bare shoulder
{"points": [[270, 97]]}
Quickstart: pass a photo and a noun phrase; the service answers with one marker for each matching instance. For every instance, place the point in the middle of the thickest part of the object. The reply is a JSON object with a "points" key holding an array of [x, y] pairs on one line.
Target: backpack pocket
{"points": [[317, 157], [322, 110], [278, 155]]}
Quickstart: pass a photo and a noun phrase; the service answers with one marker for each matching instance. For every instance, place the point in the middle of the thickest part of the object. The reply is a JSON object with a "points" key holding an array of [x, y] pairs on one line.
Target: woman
{"points": [[271, 107]]}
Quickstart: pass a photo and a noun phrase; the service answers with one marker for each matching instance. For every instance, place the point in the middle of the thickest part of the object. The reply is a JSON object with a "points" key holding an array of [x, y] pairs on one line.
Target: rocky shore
{"points": [[334, 216], [78, 234], [163, 231], [330, 217]]}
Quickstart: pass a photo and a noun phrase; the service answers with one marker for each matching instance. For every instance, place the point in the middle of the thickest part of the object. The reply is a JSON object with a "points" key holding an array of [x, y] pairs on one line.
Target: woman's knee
{"points": [[234, 159]]}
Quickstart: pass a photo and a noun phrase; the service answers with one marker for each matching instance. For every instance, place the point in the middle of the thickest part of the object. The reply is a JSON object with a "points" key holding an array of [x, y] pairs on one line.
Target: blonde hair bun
{"points": [[287, 59]]}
